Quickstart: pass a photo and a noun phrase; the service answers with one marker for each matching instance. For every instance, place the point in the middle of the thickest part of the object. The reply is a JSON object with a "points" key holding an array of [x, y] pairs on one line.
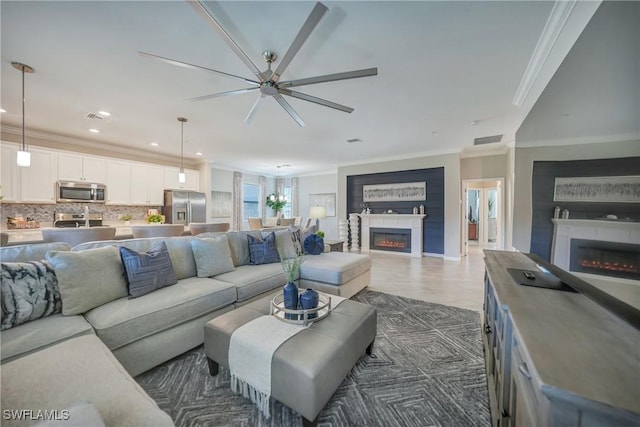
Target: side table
{"points": [[334, 245]]}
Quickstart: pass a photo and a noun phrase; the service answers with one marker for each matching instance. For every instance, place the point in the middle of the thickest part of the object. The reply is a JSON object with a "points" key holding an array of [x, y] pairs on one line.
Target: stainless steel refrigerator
{"points": [[184, 207]]}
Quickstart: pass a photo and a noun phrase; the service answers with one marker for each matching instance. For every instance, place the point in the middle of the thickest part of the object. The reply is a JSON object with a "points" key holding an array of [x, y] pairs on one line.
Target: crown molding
{"points": [[552, 29], [40, 138]]}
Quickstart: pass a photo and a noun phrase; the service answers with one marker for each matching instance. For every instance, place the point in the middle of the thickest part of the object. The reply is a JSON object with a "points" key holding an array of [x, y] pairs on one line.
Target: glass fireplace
{"points": [[605, 258], [390, 239]]}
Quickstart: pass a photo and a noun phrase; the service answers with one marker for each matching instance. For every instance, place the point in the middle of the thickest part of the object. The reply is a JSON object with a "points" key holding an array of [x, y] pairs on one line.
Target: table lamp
{"points": [[318, 212]]}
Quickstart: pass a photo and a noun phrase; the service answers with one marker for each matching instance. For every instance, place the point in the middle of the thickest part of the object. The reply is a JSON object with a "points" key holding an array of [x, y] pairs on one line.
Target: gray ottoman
{"points": [[308, 368]]}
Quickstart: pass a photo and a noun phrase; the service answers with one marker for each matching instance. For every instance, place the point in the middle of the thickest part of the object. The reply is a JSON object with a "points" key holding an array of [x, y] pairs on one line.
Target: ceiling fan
{"points": [[268, 82]]}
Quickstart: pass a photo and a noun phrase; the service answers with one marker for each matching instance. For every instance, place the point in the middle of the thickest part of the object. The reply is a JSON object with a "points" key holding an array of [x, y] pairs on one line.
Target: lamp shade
{"points": [[318, 212], [23, 158]]}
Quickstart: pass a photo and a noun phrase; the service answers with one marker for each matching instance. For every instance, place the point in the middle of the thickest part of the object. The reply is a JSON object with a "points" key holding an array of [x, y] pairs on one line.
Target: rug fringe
{"points": [[260, 399]]}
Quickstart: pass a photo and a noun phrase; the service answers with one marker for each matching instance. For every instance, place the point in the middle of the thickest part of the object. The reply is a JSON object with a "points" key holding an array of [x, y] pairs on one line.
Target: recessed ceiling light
{"points": [[155, 144], [104, 113], [2, 110], [94, 131], [198, 153]]}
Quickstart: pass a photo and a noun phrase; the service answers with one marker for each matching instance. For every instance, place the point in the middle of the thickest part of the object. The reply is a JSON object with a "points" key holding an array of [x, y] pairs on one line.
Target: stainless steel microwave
{"points": [[74, 191]]}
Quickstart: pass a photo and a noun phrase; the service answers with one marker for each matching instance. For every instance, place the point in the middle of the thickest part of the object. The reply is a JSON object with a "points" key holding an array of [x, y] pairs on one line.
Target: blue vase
{"points": [[290, 292], [309, 300]]}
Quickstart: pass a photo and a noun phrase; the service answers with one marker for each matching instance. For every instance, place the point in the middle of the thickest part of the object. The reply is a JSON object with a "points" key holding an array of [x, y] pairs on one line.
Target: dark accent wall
{"points": [[543, 179], [433, 239]]}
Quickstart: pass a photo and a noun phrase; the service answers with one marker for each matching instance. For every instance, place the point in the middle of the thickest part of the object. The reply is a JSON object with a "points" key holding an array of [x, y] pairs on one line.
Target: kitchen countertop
{"points": [[34, 235]]}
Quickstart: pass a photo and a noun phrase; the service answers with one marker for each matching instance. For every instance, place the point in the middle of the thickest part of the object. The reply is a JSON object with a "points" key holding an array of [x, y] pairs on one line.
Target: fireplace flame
{"points": [[615, 266]]}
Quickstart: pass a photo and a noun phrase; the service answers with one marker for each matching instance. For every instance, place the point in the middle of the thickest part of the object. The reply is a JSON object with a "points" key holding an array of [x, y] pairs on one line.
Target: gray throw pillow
{"points": [[88, 279], [263, 251], [29, 291], [285, 242], [147, 271], [212, 255], [239, 246]]}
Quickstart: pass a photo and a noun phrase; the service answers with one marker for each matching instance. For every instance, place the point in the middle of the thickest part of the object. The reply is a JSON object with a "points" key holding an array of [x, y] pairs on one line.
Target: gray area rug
{"points": [[427, 370]]}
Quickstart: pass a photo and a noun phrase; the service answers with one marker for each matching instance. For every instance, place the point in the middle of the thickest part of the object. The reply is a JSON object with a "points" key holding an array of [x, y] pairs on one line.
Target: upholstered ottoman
{"points": [[308, 368], [337, 273]]}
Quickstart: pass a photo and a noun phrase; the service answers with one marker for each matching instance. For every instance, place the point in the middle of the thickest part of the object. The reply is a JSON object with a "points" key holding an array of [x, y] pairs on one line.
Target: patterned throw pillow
{"points": [[147, 272], [296, 240], [29, 291], [263, 251], [314, 244]]}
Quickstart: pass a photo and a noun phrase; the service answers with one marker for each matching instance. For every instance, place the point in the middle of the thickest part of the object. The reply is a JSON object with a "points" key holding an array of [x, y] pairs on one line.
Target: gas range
{"points": [[75, 220]]}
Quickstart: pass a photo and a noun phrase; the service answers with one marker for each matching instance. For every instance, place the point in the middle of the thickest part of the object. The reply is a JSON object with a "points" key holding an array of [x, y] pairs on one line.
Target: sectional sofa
{"points": [[83, 358]]}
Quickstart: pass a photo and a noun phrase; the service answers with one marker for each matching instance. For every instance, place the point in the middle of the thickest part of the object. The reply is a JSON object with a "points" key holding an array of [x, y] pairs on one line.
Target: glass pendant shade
{"points": [[182, 177], [23, 158]]}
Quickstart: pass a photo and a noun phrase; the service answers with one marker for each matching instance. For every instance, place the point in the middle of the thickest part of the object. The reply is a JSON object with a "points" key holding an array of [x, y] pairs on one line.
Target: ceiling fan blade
{"points": [[316, 100], [218, 95], [314, 17], [253, 110], [213, 22], [289, 109], [366, 72], [196, 67]]}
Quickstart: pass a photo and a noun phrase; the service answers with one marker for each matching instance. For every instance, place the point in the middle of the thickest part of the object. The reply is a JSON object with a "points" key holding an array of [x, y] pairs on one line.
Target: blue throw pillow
{"points": [[263, 251], [314, 244], [146, 272]]}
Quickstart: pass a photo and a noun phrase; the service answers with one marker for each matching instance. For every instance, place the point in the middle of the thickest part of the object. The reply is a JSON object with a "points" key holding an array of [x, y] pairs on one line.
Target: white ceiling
{"points": [[441, 66]]}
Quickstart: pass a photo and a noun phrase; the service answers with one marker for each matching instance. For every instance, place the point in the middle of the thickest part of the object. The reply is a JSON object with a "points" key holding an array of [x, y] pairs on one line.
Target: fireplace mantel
{"points": [[592, 229], [409, 221]]}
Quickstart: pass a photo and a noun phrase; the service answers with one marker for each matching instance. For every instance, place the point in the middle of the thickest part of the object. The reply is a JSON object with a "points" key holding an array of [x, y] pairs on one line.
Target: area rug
{"points": [[427, 369]]}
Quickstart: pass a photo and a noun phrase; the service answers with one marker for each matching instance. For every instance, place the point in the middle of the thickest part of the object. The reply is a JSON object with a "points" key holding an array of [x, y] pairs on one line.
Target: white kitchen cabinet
{"points": [[147, 185], [75, 167], [171, 179], [37, 182], [118, 182], [9, 175]]}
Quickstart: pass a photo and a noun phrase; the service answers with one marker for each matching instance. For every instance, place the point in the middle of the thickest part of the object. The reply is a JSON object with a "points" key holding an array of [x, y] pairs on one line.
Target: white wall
{"points": [[452, 191], [320, 184]]}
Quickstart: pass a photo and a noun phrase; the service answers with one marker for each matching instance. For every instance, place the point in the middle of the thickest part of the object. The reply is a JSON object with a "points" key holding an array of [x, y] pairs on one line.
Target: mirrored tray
{"points": [[301, 317]]}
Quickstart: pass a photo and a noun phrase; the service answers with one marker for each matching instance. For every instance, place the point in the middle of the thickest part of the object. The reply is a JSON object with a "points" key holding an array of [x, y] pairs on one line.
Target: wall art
{"points": [[221, 205], [401, 192], [328, 200], [606, 189]]}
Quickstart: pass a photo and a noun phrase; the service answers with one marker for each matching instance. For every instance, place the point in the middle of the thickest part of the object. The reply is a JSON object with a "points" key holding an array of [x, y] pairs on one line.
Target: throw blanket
{"points": [[251, 350]]}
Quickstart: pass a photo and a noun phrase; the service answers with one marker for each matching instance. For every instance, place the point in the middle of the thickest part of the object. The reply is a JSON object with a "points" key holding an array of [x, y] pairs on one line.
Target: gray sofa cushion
{"points": [[334, 268], [251, 280], [212, 255], [148, 271], [123, 321], [29, 291], [89, 278], [35, 252], [81, 368], [83, 413], [38, 334], [239, 246], [184, 265]]}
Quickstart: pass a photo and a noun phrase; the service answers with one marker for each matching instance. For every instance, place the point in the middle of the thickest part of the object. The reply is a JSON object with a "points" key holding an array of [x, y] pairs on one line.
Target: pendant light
{"points": [[182, 178], [24, 157]]}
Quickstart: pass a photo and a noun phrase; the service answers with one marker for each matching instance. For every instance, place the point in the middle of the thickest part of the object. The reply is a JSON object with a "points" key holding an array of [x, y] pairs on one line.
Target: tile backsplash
{"points": [[45, 213]]}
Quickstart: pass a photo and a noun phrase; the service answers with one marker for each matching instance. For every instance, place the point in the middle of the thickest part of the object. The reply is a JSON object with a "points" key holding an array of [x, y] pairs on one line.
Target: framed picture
{"points": [[221, 206], [401, 192], [604, 189], [328, 200]]}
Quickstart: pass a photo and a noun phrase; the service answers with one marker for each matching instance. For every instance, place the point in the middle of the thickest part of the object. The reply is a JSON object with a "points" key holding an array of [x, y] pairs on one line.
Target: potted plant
{"points": [[291, 268], [127, 219], [276, 202], [155, 219]]}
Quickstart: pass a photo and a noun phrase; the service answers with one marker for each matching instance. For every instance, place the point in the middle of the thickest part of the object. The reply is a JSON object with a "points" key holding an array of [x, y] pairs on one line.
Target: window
{"points": [[286, 210], [251, 201]]}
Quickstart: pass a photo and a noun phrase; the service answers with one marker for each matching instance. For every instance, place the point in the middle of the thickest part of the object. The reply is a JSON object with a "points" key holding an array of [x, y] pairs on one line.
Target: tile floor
{"points": [[455, 283]]}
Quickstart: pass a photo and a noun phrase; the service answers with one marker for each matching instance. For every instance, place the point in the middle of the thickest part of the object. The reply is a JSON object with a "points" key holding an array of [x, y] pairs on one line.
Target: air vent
{"points": [[353, 140], [487, 140], [95, 116]]}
